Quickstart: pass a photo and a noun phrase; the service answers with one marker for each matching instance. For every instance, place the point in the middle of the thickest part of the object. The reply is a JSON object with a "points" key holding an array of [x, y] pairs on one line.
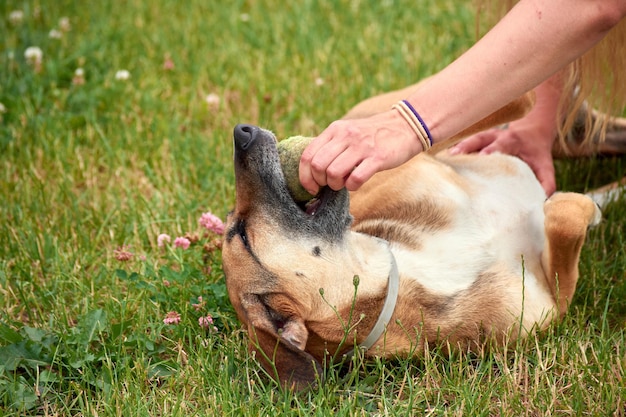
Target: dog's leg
{"points": [[567, 217], [608, 193]]}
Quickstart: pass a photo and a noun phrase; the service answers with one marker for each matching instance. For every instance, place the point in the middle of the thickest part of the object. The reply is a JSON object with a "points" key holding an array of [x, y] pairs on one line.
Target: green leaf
{"points": [[163, 369], [9, 335], [48, 377], [79, 363], [22, 395], [25, 354], [36, 335], [92, 324]]}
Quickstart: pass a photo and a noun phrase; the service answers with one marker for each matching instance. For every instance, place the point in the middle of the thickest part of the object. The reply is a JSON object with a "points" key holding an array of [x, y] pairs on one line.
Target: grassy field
{"points": [[96, 163]]}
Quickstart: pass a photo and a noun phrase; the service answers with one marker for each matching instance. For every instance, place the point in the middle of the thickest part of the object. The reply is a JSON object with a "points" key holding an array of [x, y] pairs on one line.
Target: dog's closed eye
{"points": [[239, 230]]}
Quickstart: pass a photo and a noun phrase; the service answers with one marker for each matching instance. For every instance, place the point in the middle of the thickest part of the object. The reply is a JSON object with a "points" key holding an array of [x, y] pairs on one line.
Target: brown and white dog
{"points": [[455, 250]]}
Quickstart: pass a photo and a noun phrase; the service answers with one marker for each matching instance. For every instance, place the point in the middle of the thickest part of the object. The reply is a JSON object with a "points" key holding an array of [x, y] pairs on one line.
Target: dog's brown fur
{"points": [[464, 277]]}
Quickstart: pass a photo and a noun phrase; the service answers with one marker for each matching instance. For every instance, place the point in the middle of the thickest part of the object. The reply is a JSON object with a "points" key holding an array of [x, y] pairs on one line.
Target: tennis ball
{"points": [[289, 152]]}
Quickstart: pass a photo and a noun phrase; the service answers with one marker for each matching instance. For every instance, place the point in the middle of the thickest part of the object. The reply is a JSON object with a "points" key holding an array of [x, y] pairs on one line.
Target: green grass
{"points": [[89, 171]]}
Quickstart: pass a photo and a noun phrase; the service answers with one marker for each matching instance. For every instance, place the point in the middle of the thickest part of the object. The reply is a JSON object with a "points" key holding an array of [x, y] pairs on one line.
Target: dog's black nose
{"points": [[245, 135]]}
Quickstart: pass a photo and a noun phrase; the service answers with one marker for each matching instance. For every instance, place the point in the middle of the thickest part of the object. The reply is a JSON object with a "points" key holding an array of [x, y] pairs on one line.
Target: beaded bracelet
{"points": [[414, 120]]}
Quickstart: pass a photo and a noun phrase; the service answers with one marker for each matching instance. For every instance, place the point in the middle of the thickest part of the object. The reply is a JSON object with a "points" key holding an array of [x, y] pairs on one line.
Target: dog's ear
{"points": [[278, 343]]}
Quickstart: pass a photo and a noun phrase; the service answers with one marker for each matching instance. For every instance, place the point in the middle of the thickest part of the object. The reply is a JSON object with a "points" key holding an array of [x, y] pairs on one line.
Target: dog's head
{"points": [[276, 254]]}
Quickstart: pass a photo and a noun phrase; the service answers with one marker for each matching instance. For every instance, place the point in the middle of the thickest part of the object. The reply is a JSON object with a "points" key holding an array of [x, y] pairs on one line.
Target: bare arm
{"points": [[530, 138], [530, 44]]}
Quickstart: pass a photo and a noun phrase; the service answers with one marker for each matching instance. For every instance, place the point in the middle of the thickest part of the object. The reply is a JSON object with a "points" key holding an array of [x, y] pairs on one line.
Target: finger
{"points": [[341, 168], [546, 176], [474, 143], [547, 181], [362, 173], [332, 163], [306, 178], [508, 148], [305, 169], [549, 185]]}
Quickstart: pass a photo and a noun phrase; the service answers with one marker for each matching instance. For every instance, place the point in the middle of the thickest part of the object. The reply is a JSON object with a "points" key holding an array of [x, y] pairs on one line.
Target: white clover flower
{"points": [[212, 99], [122, 75], [33, 55], [319, 81], [244, 17], [79, 76], [64, 24], [55, 34], [16, 17], [3, 110]]}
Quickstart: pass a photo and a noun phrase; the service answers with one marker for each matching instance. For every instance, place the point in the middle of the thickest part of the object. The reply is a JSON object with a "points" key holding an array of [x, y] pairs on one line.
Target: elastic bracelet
{"points": [[430, 137], [412, 121], [411, 115]]}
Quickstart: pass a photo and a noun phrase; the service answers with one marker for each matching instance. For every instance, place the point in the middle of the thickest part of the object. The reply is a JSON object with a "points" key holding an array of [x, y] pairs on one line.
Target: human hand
{"points": [[530, 142], [349, 152]]}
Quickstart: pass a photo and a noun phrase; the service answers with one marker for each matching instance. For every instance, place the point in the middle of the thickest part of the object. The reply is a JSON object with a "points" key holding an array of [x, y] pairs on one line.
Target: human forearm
{"points": [[530, 44], [534, 41], [530, 138]]}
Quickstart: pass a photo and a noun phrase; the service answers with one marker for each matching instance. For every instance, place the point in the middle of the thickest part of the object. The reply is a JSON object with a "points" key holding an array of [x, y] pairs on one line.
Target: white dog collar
{"points": [[393, 285]]}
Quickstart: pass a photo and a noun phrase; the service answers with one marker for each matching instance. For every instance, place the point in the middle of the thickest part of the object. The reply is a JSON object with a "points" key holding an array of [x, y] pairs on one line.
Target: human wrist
{"points": [[415, 122]]}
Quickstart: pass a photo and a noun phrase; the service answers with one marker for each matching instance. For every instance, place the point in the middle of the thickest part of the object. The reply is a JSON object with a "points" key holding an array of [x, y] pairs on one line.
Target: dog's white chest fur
{"points": [[495, 220]]}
